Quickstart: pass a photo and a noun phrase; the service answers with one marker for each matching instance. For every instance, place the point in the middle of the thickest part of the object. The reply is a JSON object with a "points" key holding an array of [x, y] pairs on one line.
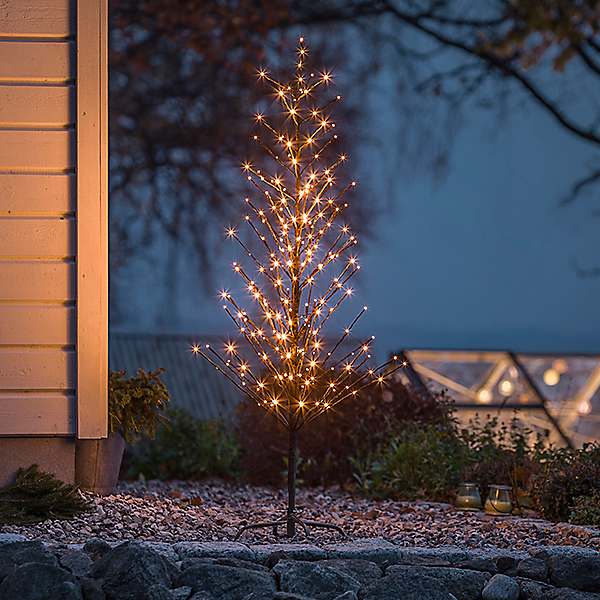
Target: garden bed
{"points": [[213, 511]]}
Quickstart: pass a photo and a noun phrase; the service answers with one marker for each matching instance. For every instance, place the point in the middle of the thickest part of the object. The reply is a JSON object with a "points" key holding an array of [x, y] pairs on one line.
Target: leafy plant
{"points": [[566, 477], [428, 462], [135, 405], [424, 462], [185, 448], [586, 510], [36, 496]]}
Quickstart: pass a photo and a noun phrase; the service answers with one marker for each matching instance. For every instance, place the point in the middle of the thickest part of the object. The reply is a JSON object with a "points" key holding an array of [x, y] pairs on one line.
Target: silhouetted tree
{"points": [[181, 75]]}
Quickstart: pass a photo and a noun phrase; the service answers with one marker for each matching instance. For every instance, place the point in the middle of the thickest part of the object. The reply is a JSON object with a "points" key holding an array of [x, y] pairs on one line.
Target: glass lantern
{"points": [[467, 497], [499, 500]]}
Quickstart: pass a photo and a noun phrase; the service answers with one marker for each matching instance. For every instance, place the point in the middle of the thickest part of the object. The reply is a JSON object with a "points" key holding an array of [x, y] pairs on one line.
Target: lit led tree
{"points": [[299, 276]]}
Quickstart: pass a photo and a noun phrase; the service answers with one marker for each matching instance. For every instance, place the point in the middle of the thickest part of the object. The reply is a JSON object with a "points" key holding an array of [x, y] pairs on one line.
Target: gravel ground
{"points": [[211, 511]]}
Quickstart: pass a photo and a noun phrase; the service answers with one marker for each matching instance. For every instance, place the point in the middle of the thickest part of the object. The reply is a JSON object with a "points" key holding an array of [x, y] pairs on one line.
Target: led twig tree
{"points": [[295, 374]]}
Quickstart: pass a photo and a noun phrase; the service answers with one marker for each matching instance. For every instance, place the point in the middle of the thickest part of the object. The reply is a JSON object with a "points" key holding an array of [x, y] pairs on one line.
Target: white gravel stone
{"points": [[179, 511]]}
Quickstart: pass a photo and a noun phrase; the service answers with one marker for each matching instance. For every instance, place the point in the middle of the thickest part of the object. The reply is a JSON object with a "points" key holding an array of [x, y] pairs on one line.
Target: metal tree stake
{"points": [[294, 373]]}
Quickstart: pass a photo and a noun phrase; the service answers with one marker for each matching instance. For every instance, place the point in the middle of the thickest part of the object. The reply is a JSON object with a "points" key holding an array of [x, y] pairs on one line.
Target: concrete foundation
{"points": [[52, 454]]}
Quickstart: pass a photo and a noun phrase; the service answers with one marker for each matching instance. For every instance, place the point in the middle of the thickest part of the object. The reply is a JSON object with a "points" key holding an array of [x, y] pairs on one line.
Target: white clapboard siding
{"points": [[36, 106], [37, 414], [37, 369], [33, 324], [48, 281], [53, 264], [31, 194], [36, 150], [35, 18], [41, 62], [36, 238]]}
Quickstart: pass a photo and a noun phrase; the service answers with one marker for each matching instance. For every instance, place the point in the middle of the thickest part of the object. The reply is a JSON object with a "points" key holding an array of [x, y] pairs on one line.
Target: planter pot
{"points": [[97, 463]]}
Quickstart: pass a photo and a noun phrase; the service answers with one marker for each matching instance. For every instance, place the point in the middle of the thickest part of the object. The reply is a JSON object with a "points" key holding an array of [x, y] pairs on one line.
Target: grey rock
{"points": [[447, 554], [375, 550], [314, 579], [8, 538], [464, 584], [507, 564], [40, 581], [270, 554], [276, 596], [96, 548], [401, 586], [223, 581], [429, 561], [91, 589], [128, 570], [182, 593], [573, 567], [13, 554], [228, 562], [488, 565], [73, 546], [159, 591], [202, 596], [163, 549], [68, 590], [347, 596], [569, 594], [76, 561], [214, 550], [363, 571], [501, 587], [535, 590], [533, 568], [505, 561]]}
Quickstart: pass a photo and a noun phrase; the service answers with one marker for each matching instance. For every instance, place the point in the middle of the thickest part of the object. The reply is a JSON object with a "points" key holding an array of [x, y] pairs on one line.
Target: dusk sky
{"points": [[483, 259]]}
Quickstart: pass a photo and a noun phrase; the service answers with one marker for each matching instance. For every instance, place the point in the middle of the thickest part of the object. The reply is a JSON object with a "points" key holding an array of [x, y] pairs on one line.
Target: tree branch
{"points": [[587, 59], [580, 187], [503, 67]]}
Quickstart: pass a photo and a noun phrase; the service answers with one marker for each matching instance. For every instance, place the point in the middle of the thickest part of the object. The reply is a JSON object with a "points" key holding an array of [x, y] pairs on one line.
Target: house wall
{"points": [[53, 220]]}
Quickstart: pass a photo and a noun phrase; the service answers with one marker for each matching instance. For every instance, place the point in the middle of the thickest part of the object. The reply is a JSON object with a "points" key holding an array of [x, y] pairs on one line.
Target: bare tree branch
{"points": [[581, 186]]}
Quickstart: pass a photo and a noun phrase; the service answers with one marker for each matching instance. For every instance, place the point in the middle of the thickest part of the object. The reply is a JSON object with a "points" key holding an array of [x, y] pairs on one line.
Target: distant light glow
{"points": [[484, 396], [551, 377], [506, 387]]}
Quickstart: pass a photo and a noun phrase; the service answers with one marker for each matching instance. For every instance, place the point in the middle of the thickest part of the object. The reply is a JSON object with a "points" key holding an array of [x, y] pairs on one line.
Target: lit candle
{"points": [[498, 501]]}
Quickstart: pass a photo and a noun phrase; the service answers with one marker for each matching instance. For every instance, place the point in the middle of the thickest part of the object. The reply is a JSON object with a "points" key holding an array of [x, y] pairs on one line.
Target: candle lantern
{"points": [[467, 497], [499, 500]]}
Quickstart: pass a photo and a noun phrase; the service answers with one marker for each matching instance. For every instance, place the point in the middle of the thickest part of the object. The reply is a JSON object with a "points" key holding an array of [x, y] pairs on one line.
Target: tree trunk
{"points": [[292, 467]]}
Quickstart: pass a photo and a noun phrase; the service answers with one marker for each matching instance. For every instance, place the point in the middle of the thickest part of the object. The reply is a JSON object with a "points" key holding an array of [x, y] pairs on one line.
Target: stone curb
{"points": [[365, 569]]}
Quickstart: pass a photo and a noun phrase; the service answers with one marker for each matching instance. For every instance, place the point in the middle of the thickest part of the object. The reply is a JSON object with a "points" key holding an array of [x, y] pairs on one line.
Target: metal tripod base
{"points": [[290, 522]]}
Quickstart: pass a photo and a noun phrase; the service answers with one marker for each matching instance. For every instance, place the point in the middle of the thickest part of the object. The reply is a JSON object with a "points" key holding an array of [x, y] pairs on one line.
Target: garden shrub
{"points": [[185, 448], [328, 445], [566, 478], [424, 462], [429, 462], [136, 404], [586, 510], [36, 496]]}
